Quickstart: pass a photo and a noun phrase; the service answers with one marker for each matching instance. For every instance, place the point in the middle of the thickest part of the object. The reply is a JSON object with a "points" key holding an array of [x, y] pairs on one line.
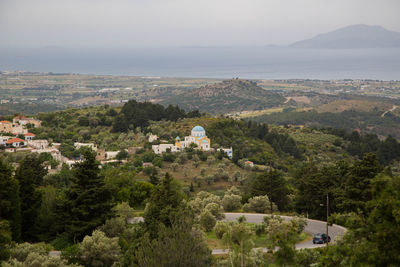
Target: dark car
{"points": [[320, 238]]}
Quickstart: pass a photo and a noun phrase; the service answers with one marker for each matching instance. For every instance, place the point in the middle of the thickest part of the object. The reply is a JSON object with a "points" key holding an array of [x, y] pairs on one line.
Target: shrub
{"points": [[260, 204], [220, 229], [231, 202], [216, 210], [99, 250], [207, 220]]}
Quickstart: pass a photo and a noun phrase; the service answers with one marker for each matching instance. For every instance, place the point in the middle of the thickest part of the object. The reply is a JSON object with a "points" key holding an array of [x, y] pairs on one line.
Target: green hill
{"points": [[227, 96]]}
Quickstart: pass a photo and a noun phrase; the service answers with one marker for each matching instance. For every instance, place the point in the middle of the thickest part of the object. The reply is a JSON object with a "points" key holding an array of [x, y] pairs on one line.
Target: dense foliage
{"points": [[230, 132], [387, 150], [348, 119], [138, 114]]}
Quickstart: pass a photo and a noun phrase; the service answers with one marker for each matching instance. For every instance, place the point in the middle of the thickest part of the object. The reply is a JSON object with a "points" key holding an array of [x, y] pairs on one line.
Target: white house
{"points": [[29, 136], [4, 139], [38, 144], [228, 151], [162, 148], [91, 145], [16, 142], [152, 138]]}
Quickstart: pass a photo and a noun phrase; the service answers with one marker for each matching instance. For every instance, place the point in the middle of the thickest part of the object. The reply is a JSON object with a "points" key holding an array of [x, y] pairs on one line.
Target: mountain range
{"points": [[352, 37]]}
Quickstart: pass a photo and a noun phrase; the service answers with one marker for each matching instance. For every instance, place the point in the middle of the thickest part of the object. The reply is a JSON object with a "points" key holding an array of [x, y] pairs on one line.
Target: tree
{"points": [[207, 220], [357, 188], [272, 184], [47, 213], [5, 240], [88, 201], [283, 235], [375, 239], [99, 250], [164, 202], [231, 202], [260, 204], [238, 239], [179, 245], [220, 229], [123, 154], [216, 210], [30, 174], [10, 204]]}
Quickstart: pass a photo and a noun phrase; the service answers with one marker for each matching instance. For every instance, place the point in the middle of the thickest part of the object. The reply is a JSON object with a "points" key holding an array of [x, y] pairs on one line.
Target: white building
{"points": [[228, 151], [152, 138], [4, 139], [29, 136], [162, 148], [91, 145], [198, 138], [16, 142], [38, 144], [18, 129]]}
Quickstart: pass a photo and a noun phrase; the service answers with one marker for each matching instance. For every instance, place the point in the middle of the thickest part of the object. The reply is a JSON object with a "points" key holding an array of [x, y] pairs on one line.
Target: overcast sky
{"points": [[184, 22]]}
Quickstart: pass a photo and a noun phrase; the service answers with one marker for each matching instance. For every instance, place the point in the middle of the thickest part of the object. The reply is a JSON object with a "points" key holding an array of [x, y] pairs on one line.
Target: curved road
{"points": [[312, 227]]}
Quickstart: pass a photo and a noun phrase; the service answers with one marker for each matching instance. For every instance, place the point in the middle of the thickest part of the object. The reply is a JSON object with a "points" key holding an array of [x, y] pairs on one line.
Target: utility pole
{"points": [[327, 215]]}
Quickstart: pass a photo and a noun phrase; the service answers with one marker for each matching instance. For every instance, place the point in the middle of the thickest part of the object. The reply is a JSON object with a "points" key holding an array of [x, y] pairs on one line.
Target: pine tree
{"points": [[30, 174], [165, 201], [10, 203], [5, 240], [88, 202]]}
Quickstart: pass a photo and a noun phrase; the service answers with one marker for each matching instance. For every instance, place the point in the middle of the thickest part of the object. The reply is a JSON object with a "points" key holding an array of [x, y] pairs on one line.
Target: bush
{"points": [[99, 250], [21, 251], [260, 204], [216, 210], [231, 202], [220, 229], [207, 220]]}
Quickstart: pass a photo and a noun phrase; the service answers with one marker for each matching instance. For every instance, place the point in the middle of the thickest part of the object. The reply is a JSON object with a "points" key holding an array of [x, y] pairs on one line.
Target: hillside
{"points": [[353, 36], [225, 97]]}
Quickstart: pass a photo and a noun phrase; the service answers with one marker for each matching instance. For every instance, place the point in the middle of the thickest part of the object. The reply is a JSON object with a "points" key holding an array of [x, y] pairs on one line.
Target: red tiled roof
{"points": [[15, 140], [30, 134], [5, 121]]}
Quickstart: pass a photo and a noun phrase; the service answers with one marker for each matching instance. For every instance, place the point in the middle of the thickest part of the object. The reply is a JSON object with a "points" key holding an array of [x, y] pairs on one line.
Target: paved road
{"points": [[312, 227]]}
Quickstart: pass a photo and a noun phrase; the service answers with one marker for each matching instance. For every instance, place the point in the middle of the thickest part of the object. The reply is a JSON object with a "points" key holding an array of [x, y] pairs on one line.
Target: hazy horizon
{"points": [[177, 23]]}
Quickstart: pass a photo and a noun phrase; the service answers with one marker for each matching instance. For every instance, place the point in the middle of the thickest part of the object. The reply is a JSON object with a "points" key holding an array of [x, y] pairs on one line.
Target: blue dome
{"points": [[198, 129], [204, 141], [177, 138]]}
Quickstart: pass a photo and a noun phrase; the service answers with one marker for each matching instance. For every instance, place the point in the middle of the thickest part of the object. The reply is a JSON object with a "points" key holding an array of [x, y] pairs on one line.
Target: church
{"points": [[198, 137]]}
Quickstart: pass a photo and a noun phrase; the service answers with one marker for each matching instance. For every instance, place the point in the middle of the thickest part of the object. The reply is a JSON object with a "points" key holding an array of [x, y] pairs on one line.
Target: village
{"points": [[15, 137]]}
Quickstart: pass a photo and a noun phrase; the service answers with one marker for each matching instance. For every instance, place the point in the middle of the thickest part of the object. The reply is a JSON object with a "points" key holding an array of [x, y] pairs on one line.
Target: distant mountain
{"points": [[354, 36], [227, 96]]}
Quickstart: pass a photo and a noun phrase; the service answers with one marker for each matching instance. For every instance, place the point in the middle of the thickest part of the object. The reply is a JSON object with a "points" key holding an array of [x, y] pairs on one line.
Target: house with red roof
{"points": [[29, 136], [22, 120], [15, 142]]}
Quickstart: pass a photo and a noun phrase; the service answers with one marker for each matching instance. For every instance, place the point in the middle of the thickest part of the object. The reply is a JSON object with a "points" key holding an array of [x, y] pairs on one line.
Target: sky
{"points": [[116, 23]]}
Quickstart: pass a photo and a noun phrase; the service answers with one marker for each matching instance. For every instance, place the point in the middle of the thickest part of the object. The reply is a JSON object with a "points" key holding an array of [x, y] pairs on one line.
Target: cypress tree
{"points": [[88, 202], [165, 201], [10, 203], [30, 174]]}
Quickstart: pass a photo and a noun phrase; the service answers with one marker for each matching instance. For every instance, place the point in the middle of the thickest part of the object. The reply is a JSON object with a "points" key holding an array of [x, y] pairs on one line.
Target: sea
{"points": [[261, 62]]}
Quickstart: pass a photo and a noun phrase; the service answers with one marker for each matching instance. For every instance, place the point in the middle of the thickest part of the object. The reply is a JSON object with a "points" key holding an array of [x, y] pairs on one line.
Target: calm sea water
{"points": [[213, 62]]}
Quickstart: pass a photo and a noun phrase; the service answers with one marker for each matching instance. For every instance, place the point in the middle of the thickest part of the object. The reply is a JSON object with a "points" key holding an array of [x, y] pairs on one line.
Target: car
{"points": [[320, 238]]}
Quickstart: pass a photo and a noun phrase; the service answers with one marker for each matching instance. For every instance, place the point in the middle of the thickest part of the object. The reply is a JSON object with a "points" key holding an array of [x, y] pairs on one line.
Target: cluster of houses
{"points": [[13, 142], [16, 129], [197, 139]]}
